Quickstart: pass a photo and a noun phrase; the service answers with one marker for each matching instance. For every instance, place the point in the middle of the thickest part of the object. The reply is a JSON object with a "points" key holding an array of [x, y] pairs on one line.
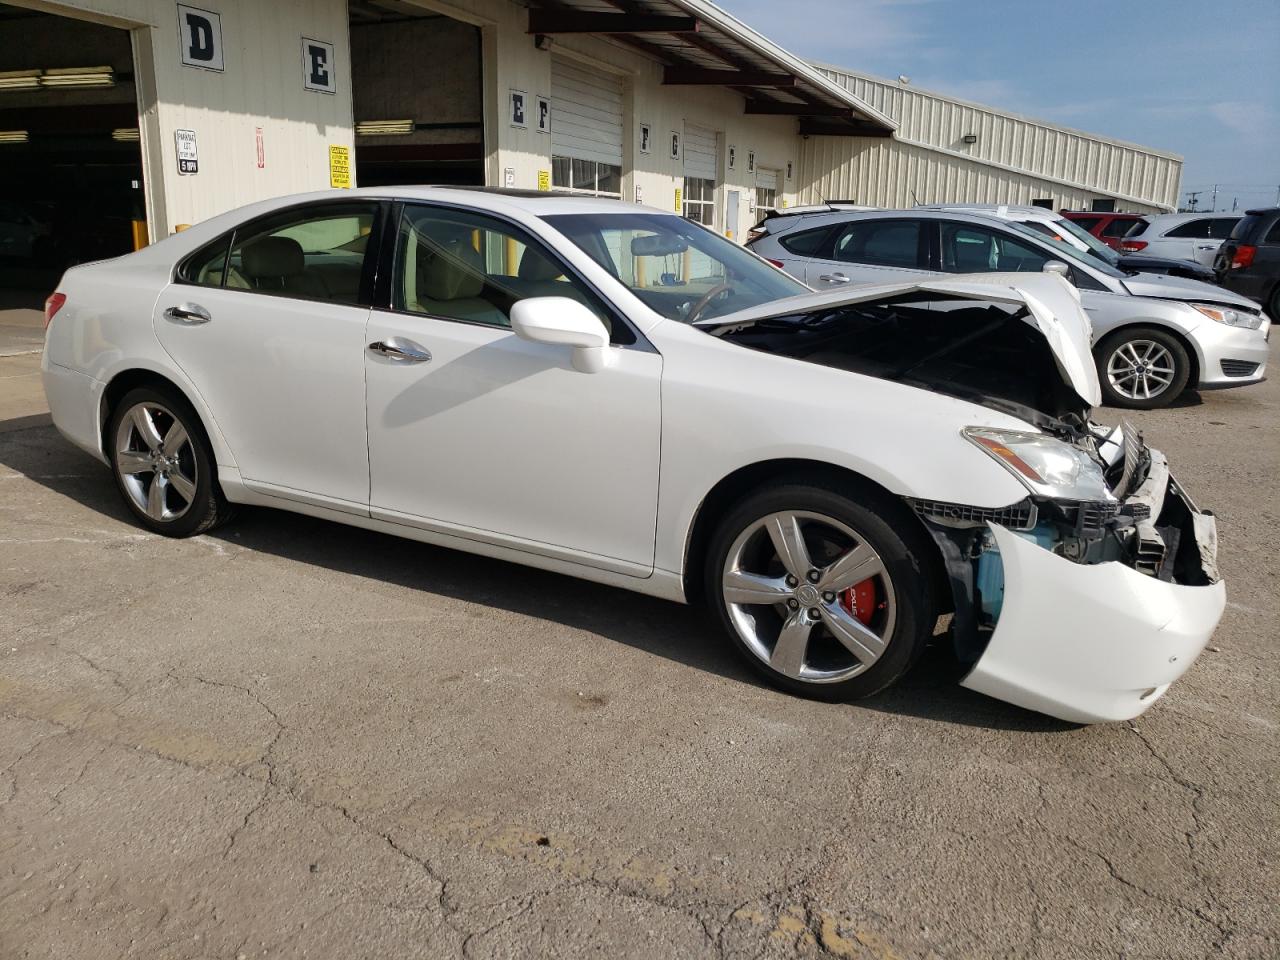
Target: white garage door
{"points": [[586, 129], [699, 152]]}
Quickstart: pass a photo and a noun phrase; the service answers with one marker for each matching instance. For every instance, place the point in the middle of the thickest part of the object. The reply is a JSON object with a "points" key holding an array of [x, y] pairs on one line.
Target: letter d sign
{"points": [[200, 37]]}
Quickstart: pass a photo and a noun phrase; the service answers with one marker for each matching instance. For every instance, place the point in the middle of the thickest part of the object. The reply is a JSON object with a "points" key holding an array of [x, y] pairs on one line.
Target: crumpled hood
{"points": [[1052, 303], [1164, 287]]}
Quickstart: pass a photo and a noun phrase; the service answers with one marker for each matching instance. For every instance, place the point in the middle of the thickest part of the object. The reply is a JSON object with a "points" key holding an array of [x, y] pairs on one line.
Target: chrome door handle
{"points": [[834, 278], [1207, 246], [401, 350], [188, 313]]}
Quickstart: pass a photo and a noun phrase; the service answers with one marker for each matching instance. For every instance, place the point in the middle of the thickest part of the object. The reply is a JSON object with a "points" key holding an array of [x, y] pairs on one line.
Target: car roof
{"points": [[970, 214], [1175, 218]]}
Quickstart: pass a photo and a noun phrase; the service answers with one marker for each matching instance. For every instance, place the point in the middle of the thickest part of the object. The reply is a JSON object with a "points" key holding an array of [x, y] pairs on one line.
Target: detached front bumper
{"points": [[1089, 643]]}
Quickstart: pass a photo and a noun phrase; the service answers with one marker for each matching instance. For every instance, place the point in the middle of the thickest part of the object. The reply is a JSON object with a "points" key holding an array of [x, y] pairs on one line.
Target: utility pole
{"points": [[1193, 198]]}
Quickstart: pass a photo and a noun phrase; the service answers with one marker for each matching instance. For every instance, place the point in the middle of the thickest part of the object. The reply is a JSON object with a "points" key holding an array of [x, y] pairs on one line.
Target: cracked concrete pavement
{"points": [[294, 739]]}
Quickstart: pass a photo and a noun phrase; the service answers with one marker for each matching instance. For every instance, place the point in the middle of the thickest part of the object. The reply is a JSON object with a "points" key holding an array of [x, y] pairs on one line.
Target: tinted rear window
{"points": [[1273, 235], [1221, 228], [1139, 228], [806, 243], [1119, 227], [1245, 227]]}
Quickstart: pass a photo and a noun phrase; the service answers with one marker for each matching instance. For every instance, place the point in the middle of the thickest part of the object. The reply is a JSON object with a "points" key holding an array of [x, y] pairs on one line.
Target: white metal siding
{"points": [[699, 152], [586, 114], [1015, 159]]}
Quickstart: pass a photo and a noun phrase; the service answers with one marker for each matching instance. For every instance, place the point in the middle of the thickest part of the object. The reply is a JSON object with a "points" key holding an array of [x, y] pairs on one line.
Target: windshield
{"points": [[678, 268], [1044, 233]]}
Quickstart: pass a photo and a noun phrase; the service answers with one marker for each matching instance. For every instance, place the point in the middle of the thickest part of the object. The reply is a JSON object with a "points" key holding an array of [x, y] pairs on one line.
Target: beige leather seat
{"points": [[449, 282]]}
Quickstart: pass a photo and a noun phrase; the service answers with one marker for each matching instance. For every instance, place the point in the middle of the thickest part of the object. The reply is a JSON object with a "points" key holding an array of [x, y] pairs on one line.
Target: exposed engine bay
{"points": [[988, 354], [978, 351]]}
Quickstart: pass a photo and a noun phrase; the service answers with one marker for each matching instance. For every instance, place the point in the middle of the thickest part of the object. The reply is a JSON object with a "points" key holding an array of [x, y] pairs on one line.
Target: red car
{"points": [[1107, 227]]}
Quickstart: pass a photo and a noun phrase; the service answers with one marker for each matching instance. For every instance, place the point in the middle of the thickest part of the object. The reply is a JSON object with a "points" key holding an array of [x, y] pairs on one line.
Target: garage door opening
{"points": [[72, 189], [417, 94]]}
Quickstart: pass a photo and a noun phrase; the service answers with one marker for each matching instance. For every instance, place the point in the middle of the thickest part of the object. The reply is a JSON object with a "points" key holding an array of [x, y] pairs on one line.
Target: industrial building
{"points": [[123, 120]]}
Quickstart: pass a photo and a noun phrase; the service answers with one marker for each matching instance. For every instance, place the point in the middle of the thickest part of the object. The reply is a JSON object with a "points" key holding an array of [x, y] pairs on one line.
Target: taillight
{"points": [[753, 235], [777, 263], [52, 306], [1243, 257], [1132, 246]]}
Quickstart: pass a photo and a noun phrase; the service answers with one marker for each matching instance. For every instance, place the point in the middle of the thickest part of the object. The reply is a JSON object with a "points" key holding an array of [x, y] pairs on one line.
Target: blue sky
{"points": [[1198, 79]]}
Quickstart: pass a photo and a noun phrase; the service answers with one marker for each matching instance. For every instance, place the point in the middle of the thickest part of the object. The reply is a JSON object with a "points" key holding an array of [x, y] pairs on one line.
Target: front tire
{"points": [[163, 464], [824, 591], [1142, 368]]}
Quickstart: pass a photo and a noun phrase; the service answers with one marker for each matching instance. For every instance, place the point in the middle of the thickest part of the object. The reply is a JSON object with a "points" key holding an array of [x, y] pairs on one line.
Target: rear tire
{"points": [[808, 622], [1142, 368], [163, 463]]}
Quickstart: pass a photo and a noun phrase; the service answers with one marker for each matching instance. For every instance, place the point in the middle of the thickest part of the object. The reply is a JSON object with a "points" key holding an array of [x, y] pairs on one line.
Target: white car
{"points": [[617, 394], [1188, 236]]}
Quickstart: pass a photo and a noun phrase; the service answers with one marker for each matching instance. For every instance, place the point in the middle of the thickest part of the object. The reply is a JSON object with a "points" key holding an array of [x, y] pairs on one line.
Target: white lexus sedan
{"points": [[615, 393]]}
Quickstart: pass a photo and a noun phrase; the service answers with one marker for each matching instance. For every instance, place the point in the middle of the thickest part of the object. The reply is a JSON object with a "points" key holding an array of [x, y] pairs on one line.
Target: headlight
{"points": [[1232, 318], [1045, 465]]}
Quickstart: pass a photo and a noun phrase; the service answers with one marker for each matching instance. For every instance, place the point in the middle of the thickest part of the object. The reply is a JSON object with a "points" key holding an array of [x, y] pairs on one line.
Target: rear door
{"points": [[268, 323], [870, 251], [1182, 241]]}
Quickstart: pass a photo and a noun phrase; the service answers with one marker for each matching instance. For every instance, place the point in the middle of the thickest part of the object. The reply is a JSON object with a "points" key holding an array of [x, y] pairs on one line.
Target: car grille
{"points": [[1238, 368], [1017, 516]]}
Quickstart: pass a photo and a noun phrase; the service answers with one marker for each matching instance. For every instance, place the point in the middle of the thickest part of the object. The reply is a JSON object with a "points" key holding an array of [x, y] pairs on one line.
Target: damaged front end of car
{"points": [[1086, 606]]}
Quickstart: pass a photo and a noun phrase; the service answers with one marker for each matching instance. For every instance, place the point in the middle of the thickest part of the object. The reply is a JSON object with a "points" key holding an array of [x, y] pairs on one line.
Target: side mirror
{"points": [[1059, 268], [562, 320]]}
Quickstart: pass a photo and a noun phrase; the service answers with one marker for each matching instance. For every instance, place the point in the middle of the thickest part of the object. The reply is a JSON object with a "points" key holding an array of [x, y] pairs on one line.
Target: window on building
{"points": [[464, 266], [700, 201], [889, 243], [766, 199], [317, 253], [586, 176], [1102, 205], [1046, 202]]}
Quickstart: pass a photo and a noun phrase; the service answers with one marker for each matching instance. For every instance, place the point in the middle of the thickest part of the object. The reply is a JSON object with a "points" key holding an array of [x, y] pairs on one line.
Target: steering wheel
{"points": [[705, 300]]}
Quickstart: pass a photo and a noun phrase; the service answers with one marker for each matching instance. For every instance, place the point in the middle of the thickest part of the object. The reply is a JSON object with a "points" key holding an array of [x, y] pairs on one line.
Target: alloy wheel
{"points": [[1140, 369], [156, 461], [809, 597]]}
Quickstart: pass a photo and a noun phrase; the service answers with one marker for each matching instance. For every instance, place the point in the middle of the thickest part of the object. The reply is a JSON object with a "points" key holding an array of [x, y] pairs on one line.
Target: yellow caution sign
{"points": [[339, 166], [544, 179], [679, 200]]}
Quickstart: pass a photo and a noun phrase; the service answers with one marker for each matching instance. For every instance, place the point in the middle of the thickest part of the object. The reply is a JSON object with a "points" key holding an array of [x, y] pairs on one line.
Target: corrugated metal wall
{"points": [[1014, 160]]}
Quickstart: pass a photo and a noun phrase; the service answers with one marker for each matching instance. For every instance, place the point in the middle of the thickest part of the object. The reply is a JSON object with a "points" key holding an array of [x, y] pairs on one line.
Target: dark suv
{"points": [[1248, 262]]}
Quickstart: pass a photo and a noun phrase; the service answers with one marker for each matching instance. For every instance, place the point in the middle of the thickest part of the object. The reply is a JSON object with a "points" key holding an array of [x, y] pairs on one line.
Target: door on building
{"points": [[731, 213], [417, 96], [700, 166], [586, 130], [560, 461], [72, 189]]}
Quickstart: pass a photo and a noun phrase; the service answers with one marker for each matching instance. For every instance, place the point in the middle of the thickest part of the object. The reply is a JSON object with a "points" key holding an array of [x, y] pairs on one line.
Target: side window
{"points": [[1118, 227], [1273, 235], [465, 266], [208, 266], [1221, 227], [315, 254], [889, 243], [1086, 223], [967, 249], [806, 243], [1192, 228]]}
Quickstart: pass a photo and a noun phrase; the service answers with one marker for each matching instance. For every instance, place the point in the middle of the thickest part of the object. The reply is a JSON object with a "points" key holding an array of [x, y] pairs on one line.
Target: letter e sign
{"points": [[317, 66], [200, 38]]}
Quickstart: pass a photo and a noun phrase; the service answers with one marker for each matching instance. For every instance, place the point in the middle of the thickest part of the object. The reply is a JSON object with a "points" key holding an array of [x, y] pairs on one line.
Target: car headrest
{"points": [[534, 266], [450, 271], [272, 257]]}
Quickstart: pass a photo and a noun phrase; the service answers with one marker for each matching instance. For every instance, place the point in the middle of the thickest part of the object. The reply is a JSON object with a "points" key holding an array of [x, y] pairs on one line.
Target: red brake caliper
{"points": [[860, 600]]}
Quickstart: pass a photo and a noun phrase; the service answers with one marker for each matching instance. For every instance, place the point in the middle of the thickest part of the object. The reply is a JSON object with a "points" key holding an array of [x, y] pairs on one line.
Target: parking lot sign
{"points": [[188, 158]]}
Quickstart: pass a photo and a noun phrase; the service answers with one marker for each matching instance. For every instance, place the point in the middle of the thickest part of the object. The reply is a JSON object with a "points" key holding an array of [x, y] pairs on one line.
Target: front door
{"points": [[269, 326], [476, 432]]}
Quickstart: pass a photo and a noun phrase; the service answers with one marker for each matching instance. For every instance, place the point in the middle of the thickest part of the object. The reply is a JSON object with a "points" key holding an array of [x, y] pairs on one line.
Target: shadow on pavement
{"points": [[679, 633]]}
